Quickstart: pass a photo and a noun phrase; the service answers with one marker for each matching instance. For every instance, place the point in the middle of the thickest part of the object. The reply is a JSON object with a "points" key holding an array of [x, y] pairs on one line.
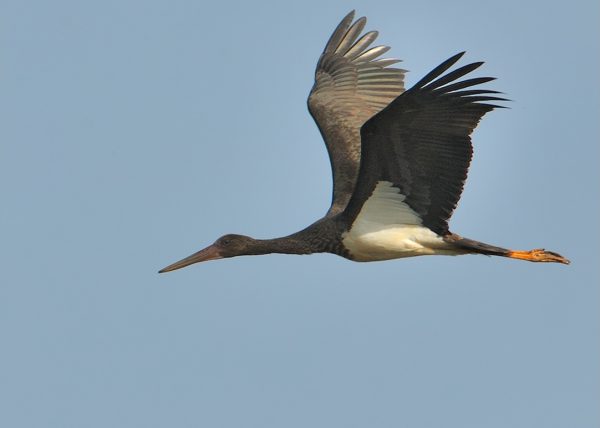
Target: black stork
{"points": [[399, 159]]}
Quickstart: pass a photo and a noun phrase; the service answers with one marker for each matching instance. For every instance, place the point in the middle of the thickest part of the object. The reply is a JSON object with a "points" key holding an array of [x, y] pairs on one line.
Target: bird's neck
{"points": [[284, 245], [320, 237]]}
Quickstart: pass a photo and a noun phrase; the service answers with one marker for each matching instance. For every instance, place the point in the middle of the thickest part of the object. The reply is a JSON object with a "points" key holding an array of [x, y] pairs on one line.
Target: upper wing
{"points": [[421, 144], [351, 85]]}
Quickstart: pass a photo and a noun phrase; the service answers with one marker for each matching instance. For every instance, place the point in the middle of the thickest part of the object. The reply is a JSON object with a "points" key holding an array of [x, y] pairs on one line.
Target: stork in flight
{"points": [[399, 159]]}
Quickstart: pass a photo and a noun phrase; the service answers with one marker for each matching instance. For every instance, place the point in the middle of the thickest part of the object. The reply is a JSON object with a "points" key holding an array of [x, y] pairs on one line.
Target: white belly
{"points": [[387, 228], [394, 242]]}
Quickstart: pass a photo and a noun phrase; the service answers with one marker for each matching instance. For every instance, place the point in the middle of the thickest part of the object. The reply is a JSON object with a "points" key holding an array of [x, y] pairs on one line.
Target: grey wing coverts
{"points": [[351, 85]]}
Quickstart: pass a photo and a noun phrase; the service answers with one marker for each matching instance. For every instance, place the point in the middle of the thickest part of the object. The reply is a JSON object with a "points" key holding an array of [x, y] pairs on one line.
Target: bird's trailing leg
{"points": [[537, 255]]}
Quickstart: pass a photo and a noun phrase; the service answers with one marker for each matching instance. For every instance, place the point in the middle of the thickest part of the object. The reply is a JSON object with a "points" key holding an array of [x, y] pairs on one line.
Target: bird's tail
{"points": [[536, 255]]}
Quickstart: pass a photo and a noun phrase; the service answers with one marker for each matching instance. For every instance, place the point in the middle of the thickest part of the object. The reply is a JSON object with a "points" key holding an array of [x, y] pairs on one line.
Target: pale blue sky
{"points": [[134, 133]]}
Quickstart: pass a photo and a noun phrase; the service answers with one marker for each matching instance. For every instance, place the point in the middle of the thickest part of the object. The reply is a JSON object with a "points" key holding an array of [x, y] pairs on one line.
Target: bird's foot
{"points": [[539, 255]]}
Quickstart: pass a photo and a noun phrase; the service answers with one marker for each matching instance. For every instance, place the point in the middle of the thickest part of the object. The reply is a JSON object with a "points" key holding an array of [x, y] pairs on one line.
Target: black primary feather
{"points": [[421, 143]]}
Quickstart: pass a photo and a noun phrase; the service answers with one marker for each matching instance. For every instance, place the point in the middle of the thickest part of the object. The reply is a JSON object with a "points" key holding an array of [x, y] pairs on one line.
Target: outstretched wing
{"points": [[419, 148], [351, 85]]}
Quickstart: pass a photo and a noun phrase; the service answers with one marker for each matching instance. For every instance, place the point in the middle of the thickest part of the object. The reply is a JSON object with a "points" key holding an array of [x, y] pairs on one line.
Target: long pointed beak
{"points": [[209, 253]]}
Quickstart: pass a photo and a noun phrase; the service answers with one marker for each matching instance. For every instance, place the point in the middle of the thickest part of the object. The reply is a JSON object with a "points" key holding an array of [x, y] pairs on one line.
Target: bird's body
{"points": [[399, 159], [387, 228]]}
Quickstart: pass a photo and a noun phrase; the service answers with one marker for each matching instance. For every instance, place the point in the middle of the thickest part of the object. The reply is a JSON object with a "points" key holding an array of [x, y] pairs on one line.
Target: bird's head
{"points": [[226, 246]]}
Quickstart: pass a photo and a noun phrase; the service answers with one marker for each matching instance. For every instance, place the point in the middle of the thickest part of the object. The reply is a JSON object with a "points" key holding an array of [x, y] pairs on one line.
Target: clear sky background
{"points": [[134, 133]]}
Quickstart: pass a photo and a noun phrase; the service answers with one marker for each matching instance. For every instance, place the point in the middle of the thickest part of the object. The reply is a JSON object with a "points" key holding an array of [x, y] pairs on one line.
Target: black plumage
{"points": [[421, 143]]}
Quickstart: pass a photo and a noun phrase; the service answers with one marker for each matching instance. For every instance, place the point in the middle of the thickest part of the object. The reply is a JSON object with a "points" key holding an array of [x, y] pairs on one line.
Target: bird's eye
{"points": [[225, 241]]}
